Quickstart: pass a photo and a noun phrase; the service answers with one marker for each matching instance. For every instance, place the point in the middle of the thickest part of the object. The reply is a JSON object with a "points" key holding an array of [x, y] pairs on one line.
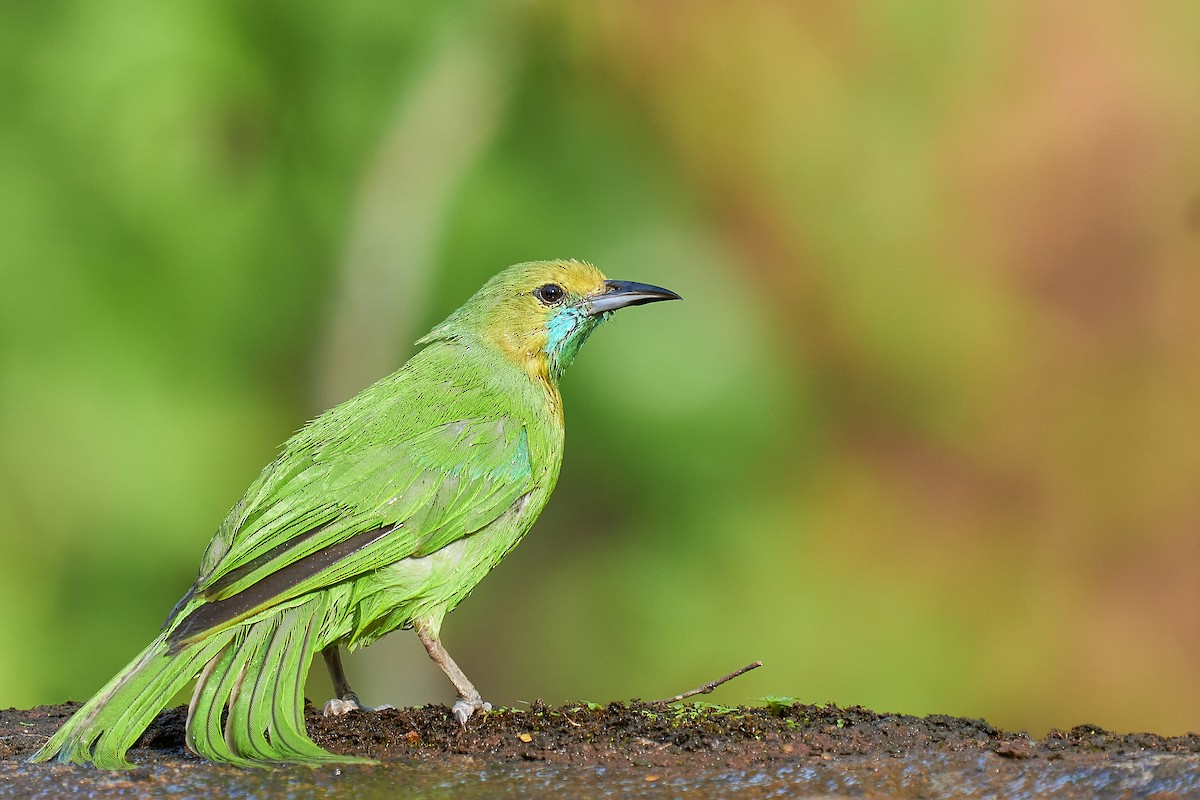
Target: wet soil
{"points": [[585, 749]]}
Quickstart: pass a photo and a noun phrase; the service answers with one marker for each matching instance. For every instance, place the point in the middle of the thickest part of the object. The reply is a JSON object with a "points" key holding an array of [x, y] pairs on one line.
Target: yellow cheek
{"points": [[525, 350]]}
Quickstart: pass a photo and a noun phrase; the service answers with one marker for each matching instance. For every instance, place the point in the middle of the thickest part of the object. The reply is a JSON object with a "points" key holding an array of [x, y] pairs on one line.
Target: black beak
{"points": [[619, 294]]}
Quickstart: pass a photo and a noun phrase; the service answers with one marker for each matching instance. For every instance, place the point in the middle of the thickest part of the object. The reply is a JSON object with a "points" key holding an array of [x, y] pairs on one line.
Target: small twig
{"points": [[708, 687]]}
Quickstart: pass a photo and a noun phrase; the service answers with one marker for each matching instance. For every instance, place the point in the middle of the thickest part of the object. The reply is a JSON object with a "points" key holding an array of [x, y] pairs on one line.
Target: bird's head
{"points": [[540, 313]]}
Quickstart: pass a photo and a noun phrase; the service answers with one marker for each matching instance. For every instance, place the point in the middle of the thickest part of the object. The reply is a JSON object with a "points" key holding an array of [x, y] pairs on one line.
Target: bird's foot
{"points": [[463, 709], [338, 707], [344, 705]]}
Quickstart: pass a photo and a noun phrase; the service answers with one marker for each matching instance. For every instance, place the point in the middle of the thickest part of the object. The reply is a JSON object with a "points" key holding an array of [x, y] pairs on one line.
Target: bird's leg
{"points": [[469, 700], [346, 700]]}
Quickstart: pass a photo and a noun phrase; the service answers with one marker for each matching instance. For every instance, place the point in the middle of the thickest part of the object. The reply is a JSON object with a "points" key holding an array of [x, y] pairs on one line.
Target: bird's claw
{"points": [[339, 707], [463, 709]]}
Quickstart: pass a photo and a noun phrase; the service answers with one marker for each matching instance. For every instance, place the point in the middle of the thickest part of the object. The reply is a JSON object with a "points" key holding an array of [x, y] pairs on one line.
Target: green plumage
{"points": [[382, 513]]}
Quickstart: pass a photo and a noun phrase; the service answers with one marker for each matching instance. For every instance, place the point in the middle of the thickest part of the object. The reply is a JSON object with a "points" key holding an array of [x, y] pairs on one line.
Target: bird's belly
{"points": [[425, 588]]}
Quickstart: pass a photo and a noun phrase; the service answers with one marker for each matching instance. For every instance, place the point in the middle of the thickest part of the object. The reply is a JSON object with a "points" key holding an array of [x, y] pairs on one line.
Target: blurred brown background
{"points": [[922, 437]]}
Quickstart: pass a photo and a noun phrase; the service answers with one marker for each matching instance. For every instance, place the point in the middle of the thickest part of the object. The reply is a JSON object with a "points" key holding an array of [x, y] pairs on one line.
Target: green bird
{"points": [[382, 513]]}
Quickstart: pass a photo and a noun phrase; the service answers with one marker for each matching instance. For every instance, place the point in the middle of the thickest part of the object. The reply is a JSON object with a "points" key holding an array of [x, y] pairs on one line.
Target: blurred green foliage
{"points": [[922, 436]]}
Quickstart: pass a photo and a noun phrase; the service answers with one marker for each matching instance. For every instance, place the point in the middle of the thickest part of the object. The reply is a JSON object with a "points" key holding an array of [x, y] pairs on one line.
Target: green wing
{"points": [[401, 470]]}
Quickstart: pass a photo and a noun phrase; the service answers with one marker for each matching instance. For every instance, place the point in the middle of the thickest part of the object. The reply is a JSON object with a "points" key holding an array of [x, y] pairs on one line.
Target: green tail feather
{"points": [[113, 720], [255, 671]]}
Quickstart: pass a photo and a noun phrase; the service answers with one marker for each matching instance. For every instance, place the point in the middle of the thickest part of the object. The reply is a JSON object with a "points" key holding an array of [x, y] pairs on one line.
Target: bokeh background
{"points": [[923, 435]]}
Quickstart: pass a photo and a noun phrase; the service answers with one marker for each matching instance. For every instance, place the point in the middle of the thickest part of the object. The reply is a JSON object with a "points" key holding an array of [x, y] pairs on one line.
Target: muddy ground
{"points": [[652, 743]]}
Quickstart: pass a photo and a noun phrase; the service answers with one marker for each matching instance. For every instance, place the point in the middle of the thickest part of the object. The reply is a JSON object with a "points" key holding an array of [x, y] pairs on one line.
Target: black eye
{"points": [[549, 295]]}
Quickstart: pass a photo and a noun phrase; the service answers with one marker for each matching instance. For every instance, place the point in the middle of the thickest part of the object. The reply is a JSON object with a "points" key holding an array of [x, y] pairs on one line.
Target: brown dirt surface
{"points": [[654, 738]]}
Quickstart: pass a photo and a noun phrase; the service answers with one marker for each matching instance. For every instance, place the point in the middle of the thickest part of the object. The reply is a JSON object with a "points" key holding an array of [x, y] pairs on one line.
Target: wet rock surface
{"points": [[581, 749]]}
